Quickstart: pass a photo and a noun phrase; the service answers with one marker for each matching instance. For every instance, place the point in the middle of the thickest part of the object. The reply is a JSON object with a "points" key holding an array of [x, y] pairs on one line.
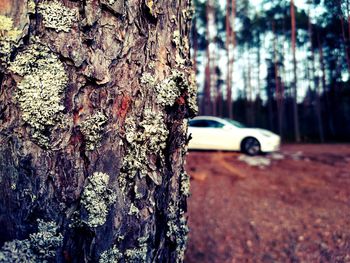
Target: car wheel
{"points": [[251, 146]]}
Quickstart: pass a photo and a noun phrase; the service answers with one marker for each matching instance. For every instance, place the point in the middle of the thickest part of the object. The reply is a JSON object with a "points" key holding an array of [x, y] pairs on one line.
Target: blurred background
{"points": [[281, 65], [277, 64]]}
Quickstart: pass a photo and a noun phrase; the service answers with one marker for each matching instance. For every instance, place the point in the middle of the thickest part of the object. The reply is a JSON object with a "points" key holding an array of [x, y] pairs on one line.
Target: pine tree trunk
{"points": [[316, 82], [228, 66], [278, 90], [295, 84], [207, 96], [93, 98], [232, 61]]}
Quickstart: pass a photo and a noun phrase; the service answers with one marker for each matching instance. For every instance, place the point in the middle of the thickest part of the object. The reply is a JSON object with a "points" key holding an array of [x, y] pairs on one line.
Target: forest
{"points": [[278, 64]]}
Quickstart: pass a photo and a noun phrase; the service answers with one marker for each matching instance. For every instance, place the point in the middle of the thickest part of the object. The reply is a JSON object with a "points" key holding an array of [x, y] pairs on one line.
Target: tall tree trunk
{"points": [[258, 58], [214, 58], [250, 105], [231, 61], [295, 84], [278, 90], [228, 54], [324, 87], [93, 98], [345, 38], [207, 97], [316, 82]]}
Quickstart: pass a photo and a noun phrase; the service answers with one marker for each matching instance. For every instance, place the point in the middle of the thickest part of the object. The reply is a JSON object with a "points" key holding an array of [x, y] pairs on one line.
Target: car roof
{"points": [[209, 118]]}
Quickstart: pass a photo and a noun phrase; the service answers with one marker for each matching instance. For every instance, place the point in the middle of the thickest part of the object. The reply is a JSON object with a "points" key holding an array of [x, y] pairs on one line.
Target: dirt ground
{"points": [[297, 209]]}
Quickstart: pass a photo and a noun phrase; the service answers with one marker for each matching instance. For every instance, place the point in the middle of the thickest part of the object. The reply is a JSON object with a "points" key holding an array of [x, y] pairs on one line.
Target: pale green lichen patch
{"points": [[111, 255], [17, 251], [138, 254], [180, 48], [57, 16], [171, 88], [92, 129], [31, 5], [168, 91], [192, 93], [177, 231], [132, 255], [133, 210], [39, 247], [45, 242], [39, 94], [185, 184], [148, 79], [176, 38], [8, 38], [97, 198], [146, 141]]}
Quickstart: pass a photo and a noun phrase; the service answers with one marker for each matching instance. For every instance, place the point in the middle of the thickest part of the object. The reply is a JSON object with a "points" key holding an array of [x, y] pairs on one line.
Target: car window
{"points": [[206, 124], [215, 124], [236, 123], [199, 123]]}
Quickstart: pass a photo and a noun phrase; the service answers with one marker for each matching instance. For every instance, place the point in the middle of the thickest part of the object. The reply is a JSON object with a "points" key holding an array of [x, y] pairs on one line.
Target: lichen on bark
{"points": [[92, 129], [83, 73], [40, 91], [97, 199], [146, 140], [57, 16], [9, 35], [41, 246]]}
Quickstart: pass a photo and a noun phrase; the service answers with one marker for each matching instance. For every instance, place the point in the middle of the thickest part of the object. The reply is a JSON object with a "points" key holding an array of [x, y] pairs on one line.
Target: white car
{"points": [[213, 133]]}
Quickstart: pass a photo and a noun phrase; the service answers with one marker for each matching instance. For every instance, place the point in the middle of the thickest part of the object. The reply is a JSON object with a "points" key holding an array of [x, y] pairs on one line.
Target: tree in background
{"points": [[93, 99], [295, 80], [308, 46]]}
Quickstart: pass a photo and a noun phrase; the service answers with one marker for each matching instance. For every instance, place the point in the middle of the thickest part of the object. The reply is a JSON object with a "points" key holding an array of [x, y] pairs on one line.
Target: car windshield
{"points": [[236, 123]]}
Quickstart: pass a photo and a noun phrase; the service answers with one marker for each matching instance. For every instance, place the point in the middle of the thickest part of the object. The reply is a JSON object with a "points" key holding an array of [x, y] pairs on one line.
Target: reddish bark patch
{"points": [[5, 6], [123, 108], [181, 101], [76, 138], [76, 116]]}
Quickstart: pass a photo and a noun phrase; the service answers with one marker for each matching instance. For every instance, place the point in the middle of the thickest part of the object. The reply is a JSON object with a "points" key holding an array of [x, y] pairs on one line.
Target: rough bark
{"points": [[93, 98]]}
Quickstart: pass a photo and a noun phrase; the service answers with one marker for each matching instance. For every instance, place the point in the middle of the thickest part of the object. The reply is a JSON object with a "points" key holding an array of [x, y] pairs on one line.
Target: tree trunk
{"points": [[324, 90], [316, 81], [228, 54], [345, 38], [93, 98], [207, 96], [232, 60], [278, 89], [295, 84]]}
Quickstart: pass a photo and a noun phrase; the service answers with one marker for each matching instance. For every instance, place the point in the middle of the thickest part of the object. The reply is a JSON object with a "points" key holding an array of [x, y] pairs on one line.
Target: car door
{"points": [[207, 134]]}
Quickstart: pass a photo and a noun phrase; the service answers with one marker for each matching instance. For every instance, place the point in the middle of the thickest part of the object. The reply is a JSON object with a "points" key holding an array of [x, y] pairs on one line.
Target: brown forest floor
{"points": [[295, 210]]}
